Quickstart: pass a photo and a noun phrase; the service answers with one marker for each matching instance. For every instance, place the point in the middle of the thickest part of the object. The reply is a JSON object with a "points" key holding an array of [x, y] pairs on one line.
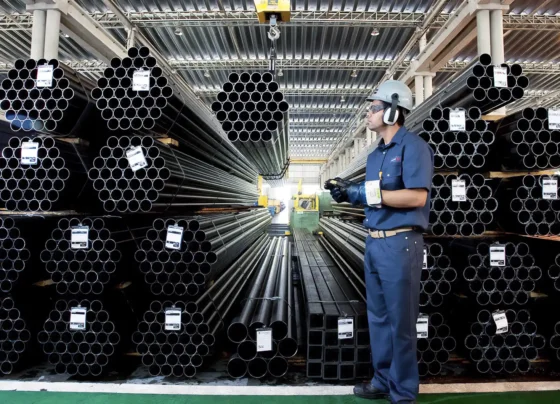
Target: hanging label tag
{"points": [[554, 119], [141, 80], [345, 327], [78, 318], [136, 158], [173, 319], [264, 339], [425, 262], [501, 321], [550, 189], [458, 191], [498, 255], [80, 237], [373, 193], [44, 76], [29, 152], [457, 120], [174, 237], [422, 326], [500, 76]]}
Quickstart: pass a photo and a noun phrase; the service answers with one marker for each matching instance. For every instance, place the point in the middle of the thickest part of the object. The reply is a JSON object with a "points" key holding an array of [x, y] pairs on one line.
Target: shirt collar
{"points": [[396, 139]]}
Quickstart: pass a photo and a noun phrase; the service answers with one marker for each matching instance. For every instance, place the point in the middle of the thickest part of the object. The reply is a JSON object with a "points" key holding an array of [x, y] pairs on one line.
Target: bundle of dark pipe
{"points": [[14, 336], [159, 112], [449, 215], [57, 179], [555, 340], [554, 272], [433, 351], [508, 284], [90, 267], [268, 306], [347, 210], [474, 86], [179, 347], [14, 254], [511, 351], [206, 246], [525, 140], [254, 115], [350, 239], [533, 209], [455, 148], [170, 180], [332, 292], [84, 347], [437, 276], [58, 108]]}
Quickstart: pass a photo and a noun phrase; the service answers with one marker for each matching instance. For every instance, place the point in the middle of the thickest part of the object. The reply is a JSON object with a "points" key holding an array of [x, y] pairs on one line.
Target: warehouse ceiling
{"points": [[328, 57]]}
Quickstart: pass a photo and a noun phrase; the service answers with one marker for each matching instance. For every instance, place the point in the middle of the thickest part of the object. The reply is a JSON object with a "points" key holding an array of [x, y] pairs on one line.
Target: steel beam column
{"points": [[52, 34], [483, 33], [38, 34]]}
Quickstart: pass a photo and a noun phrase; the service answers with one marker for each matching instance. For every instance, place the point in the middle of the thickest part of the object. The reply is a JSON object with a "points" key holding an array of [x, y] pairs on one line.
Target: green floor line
{"points": [[16, 397]]}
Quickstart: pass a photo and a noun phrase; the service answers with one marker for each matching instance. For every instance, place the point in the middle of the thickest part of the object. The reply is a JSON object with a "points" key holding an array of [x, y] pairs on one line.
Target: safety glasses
{"points": [[375, 108]]}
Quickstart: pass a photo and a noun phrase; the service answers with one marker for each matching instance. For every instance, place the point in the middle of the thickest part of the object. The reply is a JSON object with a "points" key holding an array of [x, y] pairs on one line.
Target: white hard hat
{"points": [[387, 89]]}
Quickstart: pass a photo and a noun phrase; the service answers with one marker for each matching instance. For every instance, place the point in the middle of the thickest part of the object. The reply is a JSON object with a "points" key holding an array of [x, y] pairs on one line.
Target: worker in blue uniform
{"points": [[396, 196]]}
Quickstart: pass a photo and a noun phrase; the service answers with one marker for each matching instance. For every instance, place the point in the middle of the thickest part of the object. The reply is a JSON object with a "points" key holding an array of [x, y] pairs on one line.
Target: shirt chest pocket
{"points": [[392, 177]]}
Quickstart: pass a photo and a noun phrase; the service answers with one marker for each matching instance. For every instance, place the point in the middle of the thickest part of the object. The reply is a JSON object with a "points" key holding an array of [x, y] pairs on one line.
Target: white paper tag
{"points": [[173, 319], [78, 318], [264, 339], [141, 80], [500, 76], [550, 189], [554, 119], [422, 326], [174, 237], [373, 193], [29, 152], [80, 237], [498, 255], [458, 191], [501, 321], [136, 158], [425, 262], [44, 76], [457, 120], [345, 327]]}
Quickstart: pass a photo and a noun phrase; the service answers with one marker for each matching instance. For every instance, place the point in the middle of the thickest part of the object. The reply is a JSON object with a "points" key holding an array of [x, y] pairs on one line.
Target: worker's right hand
{"points": [[338, 189]]}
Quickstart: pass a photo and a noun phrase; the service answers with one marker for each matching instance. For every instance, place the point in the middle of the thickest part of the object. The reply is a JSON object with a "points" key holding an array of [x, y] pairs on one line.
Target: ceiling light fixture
{"points": [[206, 73], [64, 34], [375, 32], [354, 73], [178, 32], [280, 73], [342, 99]]}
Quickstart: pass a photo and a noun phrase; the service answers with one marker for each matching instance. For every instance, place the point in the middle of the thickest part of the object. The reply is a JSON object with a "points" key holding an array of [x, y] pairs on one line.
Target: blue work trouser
{"points": [[393, 266]]}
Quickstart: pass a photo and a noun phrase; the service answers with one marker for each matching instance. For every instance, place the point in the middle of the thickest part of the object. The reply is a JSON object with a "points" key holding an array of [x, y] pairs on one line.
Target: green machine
{"points": [[305, 213]]}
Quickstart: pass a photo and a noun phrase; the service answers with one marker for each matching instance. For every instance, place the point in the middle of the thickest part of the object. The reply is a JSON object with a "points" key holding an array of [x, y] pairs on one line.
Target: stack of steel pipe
{"points": [[474, 86], [526, 142], [14, 254], [495, 284], [461, 205], [349, 239], [507, 352], [437, 276], [254, 115], [348, 210], [454, 148], [266, 307], [554, 272], [58, 108], [433, 351], [533, 208], [331, 294], [169, 180], [88, 268], [205, 247], [555, 340], [356, 170], [14, 336], [53, 178], [156, 110], [86, 344], [179, 349]]}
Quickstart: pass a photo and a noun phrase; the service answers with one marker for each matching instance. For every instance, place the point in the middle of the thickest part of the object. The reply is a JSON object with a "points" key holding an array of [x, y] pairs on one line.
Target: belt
{"points": [[388, 233]]}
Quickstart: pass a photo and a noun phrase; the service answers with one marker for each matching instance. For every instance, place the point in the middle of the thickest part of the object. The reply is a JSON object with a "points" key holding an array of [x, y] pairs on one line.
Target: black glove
{"points": [[337, 187]]}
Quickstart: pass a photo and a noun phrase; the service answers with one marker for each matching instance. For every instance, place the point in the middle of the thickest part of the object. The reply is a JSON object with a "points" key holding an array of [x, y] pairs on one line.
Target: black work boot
{"points": [[366, 390]]}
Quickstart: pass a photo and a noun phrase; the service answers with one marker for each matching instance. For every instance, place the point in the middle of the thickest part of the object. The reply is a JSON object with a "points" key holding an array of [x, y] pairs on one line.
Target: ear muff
{"points": [[391, 115]]}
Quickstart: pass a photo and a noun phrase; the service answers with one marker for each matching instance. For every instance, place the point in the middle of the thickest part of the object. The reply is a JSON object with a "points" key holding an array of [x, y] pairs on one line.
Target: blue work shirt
{"points": [[406, 162]]}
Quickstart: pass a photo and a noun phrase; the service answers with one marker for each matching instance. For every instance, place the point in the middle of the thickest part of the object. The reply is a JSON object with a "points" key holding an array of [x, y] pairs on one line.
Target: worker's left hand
{"points": [[338, 188]]}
